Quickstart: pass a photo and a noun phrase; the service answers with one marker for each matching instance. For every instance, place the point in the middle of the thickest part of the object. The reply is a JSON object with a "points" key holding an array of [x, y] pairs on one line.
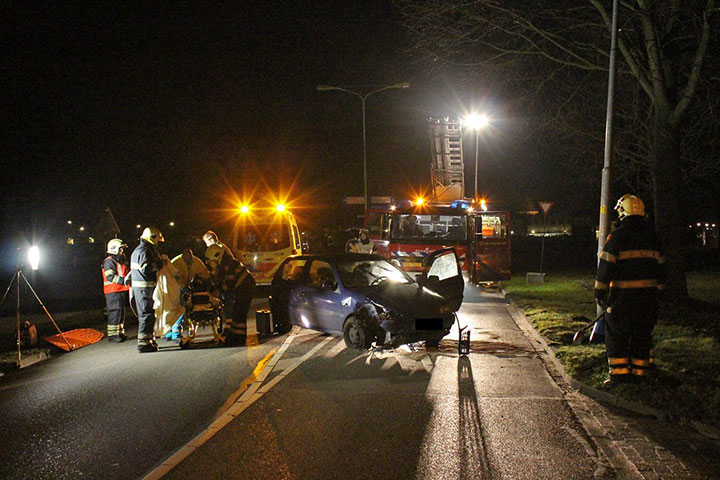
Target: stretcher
{"points": [[201, 310]]}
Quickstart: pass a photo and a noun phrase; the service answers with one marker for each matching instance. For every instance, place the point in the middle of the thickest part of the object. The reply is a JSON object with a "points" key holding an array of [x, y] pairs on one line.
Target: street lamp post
{"points": [[363, 97], [476, 122]]}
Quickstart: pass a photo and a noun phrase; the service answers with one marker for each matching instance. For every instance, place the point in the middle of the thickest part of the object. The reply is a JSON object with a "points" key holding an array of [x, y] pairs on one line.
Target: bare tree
{"points": [[665, 47]]}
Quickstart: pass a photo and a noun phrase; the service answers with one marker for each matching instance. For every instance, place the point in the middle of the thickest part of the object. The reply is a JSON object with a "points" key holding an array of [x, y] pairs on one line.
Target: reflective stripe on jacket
{"points": [[631, 258], [114, 273], [144, 265]]}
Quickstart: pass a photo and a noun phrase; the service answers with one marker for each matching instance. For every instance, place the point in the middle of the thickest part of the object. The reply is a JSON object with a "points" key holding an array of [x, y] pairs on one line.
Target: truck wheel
{"points": [[355, 335]]}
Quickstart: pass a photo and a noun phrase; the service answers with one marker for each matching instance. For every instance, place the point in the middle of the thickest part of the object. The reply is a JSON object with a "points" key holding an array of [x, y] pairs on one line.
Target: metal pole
{"points": [[477, 141], [19, 361], [604, 222], [364, 159], [542, 248]]}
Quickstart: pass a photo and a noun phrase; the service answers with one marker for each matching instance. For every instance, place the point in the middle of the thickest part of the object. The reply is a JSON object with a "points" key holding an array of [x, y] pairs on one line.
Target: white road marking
{"points": [[253, 393]]}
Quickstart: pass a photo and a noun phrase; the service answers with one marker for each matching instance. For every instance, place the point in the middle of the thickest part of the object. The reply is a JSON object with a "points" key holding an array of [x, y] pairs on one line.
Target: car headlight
{"points": [[446, 309]]}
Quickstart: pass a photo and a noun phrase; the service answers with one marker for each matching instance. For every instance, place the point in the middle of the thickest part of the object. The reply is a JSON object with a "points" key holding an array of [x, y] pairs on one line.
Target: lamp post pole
{"points": [[476, 122], [604, 221], [477, 140], [363, 97]]}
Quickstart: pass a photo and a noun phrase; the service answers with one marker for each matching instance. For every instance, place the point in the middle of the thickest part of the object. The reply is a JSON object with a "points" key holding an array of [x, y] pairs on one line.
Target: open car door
{"points": [[442, 274]]}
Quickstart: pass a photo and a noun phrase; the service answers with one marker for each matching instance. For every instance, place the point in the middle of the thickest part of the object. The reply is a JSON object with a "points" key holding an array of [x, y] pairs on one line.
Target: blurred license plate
{"points": [[428, 324]]}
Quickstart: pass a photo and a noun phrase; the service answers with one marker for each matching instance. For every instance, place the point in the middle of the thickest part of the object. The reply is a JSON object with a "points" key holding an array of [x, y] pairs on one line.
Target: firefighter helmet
{"points": [[213, 256], [152, 235], [629, 205], [114, 246]]}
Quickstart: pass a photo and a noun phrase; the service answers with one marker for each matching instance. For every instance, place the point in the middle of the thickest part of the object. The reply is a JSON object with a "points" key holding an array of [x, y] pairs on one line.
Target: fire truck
{"points": [[410, 230]]}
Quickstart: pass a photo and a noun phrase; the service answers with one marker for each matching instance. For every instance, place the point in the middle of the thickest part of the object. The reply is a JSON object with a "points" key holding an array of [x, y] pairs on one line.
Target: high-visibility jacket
{"points": [[631, 259], [186, 273], [114, 272], [145, 262]]}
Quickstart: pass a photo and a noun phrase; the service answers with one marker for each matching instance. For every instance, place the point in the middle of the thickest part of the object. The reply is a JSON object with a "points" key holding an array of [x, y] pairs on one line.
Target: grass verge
{"points": [[686, 382]]}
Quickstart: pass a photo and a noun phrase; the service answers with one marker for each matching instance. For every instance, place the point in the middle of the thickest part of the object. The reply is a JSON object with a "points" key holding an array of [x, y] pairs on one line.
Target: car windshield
{"points": [[366, 273]]}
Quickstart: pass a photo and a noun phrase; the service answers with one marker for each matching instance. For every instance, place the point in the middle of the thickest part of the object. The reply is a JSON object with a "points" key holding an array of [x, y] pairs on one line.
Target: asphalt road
{"points": [[405, 413], [106, 411]]}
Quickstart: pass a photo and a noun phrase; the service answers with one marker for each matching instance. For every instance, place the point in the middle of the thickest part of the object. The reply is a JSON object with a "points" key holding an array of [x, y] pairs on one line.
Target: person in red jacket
{"points": [[115, 270]]}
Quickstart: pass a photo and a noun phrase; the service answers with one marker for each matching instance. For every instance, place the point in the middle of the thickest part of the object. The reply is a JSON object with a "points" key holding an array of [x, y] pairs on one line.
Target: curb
{"points": [[606, 397]]}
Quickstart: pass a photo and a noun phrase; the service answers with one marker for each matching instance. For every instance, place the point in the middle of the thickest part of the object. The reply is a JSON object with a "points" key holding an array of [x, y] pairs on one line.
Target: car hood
{"points": [[405, 298]]}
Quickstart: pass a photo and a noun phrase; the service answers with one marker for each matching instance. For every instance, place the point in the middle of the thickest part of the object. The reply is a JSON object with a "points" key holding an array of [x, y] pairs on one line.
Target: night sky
{"points": [[169, 110]]}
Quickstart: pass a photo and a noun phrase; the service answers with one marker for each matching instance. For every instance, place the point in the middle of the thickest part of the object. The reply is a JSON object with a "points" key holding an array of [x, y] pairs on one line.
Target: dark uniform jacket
{"points": [[231, 273], [145, 262], [631, 259]]}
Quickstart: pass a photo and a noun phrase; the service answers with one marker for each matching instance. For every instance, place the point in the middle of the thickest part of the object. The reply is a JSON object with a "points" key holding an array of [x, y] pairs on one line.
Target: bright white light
{"points": [[280, 207], [137, 226], [69, 222], [476, 121], [698, 224], [244, 209], [82, 229], [304, 321], [34, 257], [172, 224]]}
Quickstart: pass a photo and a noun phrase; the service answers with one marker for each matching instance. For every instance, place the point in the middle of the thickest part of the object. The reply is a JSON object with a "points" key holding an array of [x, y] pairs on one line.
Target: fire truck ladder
{"points": [[447, 172]]}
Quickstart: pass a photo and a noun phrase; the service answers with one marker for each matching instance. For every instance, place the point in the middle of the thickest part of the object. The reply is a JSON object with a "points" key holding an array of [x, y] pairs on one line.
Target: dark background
{"points": [[179, 111]]}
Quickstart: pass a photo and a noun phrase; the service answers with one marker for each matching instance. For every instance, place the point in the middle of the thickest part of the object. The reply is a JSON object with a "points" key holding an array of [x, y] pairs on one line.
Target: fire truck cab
{"points": [[409, 234]]}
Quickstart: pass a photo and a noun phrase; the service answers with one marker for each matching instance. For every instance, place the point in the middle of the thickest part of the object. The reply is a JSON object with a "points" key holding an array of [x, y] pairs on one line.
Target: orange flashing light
{"points": [[280, 207], [420, 201], [244, 209]]}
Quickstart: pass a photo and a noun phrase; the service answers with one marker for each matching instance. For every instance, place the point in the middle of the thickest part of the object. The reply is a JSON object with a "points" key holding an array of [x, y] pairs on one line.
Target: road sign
{"points": [[354, 200], [545, 206]]}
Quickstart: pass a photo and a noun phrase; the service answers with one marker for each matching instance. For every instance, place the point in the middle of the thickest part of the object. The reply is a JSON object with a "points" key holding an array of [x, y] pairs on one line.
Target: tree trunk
{"points": [[664, 162]]}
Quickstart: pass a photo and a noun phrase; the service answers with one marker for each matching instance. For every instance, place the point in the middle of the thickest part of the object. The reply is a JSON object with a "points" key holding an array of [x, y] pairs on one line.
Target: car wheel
{"points": [[355, 335]]}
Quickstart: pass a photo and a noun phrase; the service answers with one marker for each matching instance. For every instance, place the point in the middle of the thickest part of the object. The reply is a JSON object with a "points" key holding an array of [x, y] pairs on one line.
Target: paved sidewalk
{"points": [[637, 447]]}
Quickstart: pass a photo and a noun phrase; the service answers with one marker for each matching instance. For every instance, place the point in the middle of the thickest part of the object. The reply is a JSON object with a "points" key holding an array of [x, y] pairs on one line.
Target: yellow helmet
{"points": [[629, 205], [115, 245], [152, 235], [213, 256]]}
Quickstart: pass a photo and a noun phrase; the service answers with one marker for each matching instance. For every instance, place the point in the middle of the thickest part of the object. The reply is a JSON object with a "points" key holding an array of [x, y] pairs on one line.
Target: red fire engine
{"points": [[408, 232]]}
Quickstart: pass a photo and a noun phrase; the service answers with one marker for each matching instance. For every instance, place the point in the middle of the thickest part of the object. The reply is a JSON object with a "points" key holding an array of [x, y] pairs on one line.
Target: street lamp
{"points": [[476, 122], [363, 97]]}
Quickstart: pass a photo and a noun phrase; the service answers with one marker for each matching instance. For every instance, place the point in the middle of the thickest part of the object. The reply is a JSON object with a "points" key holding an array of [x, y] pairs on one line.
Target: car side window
{"points": [[293, 270], [320, 272], [444, 266]]}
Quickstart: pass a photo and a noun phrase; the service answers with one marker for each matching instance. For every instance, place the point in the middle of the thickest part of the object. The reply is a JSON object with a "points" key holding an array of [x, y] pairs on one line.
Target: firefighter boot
{"points": [[148, 348]]}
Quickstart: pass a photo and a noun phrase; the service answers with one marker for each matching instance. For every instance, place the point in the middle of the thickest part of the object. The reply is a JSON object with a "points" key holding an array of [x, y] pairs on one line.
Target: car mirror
{"points": [[431, 281]]}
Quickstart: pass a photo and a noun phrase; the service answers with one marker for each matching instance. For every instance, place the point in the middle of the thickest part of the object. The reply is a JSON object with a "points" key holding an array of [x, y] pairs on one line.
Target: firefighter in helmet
{"points": [[234, 284], [145, 262], [115, 271], [629, 276], [211, 238]]}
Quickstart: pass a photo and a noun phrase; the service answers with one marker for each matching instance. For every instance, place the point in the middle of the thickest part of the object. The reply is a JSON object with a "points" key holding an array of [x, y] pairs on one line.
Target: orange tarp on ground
{"points": [[77, 338]]}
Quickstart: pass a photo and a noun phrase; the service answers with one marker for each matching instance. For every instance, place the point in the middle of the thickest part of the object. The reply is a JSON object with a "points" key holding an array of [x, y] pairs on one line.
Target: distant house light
{"points": [[69, 222], [82, 229], [91, 240], [70, 241]]}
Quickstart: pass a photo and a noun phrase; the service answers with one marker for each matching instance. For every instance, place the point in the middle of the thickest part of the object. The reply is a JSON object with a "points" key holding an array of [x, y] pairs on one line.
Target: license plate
{"points": [[428, 324]]}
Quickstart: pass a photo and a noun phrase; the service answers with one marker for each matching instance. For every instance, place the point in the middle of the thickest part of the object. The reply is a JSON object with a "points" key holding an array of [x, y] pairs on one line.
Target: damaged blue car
{"points": [[367, 299]]}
